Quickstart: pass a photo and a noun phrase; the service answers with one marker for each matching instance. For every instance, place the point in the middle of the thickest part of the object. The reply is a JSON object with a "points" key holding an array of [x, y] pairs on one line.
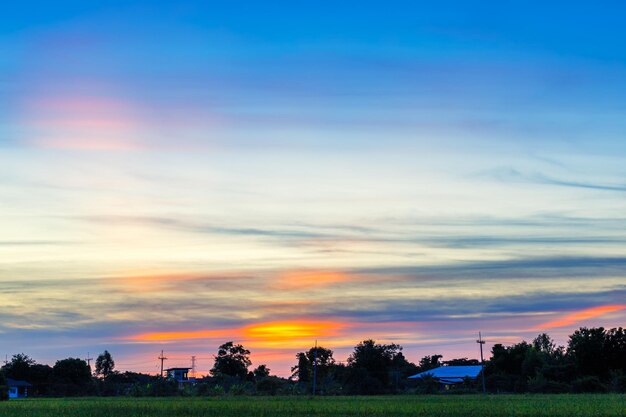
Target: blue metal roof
{"points": [[451, 374], [17, 383]]}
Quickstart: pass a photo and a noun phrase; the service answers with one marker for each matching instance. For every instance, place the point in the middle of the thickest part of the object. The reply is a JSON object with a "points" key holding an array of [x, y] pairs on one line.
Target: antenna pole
{"points": [[162, 358], [481, 342]]}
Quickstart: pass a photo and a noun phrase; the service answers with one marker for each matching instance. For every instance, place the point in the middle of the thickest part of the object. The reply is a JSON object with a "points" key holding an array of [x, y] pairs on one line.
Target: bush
{"points": [[216, 391], [4, 390], [588, 384], [427, 385], [269, 385], [237, 389], [162, 388], [618, 383], [540, 384]]}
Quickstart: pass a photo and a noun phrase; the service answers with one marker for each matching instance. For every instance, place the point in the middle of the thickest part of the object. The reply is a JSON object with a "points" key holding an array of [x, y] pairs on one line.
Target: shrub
{"points": [[427, 385], [216, 391], [269, 385], [4, 390], [588, 384], [618, 382], [540, 384]]}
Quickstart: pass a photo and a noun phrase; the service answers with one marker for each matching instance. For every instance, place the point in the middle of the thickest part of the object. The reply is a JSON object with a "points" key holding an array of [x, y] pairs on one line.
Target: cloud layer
{"points": [[277, 175]]}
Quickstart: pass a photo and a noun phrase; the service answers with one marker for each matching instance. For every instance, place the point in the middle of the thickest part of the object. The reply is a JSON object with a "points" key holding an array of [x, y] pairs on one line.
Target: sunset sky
{"points": [[175, 175]]}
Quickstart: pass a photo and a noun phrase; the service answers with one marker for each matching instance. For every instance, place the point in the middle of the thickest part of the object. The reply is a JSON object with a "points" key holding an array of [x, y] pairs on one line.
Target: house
{"points": [[18, 389], [451, 375], [180, 375]]}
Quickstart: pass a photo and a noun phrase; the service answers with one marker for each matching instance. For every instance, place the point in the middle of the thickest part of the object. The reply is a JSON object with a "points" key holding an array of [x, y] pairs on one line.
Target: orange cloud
{"points": [[296, 280], [184, 335], [588, 313]]}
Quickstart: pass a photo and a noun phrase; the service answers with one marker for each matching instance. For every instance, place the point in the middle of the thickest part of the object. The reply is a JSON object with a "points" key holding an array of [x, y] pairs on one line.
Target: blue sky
{"points": [[174, 175]]}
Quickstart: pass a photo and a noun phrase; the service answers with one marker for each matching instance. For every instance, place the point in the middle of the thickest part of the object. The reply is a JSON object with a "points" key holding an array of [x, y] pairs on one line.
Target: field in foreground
{"points": [[392, 406]]}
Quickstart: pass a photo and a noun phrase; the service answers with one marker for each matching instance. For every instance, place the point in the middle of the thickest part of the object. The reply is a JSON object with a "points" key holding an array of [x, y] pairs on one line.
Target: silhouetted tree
{"points": [[400, 370], [461, 362], [19, 367], [261, 371], [586, 348], [232, 360], [72, 377], [41, 377], [105, 364], [301, 370], [507, 370], [429, 362], [4, 390], [544, 343], [306, 363], [615, 347], [370, 366]]}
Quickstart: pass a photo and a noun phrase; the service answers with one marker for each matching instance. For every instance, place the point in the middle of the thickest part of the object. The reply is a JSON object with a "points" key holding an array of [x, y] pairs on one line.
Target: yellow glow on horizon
{"points": [[280, 333], [291, 332]]}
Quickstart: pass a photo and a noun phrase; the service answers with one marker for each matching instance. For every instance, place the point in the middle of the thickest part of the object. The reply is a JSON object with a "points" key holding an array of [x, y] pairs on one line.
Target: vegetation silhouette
{"points": [[594, 360]]}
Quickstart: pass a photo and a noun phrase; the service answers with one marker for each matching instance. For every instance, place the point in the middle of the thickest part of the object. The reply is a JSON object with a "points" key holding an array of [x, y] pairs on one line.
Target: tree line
{"points": [[594, 360]]}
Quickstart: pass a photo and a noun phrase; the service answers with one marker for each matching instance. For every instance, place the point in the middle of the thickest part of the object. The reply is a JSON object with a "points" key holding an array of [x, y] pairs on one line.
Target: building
{"points": [[451, 375], [18, 389], [180, 375]]}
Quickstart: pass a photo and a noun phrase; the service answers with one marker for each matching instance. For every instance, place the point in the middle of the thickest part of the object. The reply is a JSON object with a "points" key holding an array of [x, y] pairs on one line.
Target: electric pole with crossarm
{"points": [[162, 358], [481, 342]]}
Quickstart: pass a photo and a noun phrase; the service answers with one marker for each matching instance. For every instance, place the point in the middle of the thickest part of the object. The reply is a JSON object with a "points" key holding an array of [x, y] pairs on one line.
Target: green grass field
{"points": [[443, 405]]}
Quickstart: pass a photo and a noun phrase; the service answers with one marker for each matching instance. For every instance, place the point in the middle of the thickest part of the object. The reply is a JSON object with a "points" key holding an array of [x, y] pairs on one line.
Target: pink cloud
{"points": [[84, 123]]}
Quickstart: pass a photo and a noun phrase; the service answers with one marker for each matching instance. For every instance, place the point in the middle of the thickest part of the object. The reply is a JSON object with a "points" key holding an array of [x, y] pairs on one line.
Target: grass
{"points": [[390, 406]]}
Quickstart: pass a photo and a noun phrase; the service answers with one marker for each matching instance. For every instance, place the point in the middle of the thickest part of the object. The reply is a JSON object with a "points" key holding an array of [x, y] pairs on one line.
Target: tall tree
{"points": [[544, 343], [19, 367], [370, 366], [301, 370], [105, 364], [615, 346], [587, 348], [319, 356], [231, 359], [72, 376]]}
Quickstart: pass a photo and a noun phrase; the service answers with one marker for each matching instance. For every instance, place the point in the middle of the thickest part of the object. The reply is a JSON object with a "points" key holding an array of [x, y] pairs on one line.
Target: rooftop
{"points": [[451, 374]]}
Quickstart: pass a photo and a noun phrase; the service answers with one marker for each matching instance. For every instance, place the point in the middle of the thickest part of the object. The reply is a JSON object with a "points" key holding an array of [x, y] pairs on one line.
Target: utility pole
{"points": [[88, 359], [315, 369], [193, 367], [162, 358], [481, 342]]}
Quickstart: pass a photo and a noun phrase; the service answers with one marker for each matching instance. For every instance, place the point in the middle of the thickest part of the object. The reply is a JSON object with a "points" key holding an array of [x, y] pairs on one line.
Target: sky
{"points": [[175, 175]]}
